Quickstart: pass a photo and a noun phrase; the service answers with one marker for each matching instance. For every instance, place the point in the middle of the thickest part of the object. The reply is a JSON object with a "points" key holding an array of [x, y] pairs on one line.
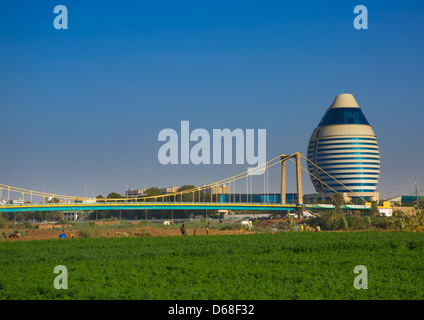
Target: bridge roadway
{"points": [[169, 206]]}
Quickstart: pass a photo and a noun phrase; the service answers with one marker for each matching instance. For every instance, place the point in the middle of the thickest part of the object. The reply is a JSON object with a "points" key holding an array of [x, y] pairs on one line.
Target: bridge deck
{"points": [[168, 206]]}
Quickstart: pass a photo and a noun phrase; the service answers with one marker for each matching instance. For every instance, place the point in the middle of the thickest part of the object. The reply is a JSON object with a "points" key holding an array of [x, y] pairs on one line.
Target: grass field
{"points": [[284, 265]]}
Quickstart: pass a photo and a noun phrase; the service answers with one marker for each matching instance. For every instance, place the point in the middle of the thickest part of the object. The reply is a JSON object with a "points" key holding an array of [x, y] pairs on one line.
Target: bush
{"points": [[26, 225], [84, 233], [290, 223], [143, 223], [345, 224], [63, 221], [381, 223], [230, 226], [408, 222], [359, 223], [334, 221], [2, 222]]}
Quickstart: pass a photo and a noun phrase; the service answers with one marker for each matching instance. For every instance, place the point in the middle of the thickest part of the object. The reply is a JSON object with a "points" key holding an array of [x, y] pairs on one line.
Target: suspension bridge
{"points": [[197, 198]]}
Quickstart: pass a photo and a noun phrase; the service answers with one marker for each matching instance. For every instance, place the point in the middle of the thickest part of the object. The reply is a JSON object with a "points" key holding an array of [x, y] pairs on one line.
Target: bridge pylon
{"points": [[299, 203]]}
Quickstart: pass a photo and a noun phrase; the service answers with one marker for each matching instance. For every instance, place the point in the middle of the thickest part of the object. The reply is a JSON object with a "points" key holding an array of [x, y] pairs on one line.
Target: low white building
{"points": [[169, 190], [71, 216]]}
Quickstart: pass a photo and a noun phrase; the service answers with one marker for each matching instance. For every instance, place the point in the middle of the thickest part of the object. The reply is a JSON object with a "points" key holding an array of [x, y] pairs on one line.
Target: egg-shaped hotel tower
{"points": [[345, 146]]}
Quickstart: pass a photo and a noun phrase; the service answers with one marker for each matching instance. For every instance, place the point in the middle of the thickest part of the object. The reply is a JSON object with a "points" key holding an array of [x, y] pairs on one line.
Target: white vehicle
{"points": [[247, 223]]}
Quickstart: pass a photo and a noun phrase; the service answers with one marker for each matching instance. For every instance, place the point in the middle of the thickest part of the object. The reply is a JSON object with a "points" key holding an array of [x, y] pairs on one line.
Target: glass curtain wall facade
{"points": [[345, 147]]}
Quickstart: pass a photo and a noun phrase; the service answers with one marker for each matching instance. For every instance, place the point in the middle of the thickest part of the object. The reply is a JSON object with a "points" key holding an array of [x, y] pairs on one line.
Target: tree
{"points": [[357, 213], [114, 195], [186, 187], [100, 198], [188, 196], [153, 191], [419, 204], [54, 200], [374, 209], [337, 200]]}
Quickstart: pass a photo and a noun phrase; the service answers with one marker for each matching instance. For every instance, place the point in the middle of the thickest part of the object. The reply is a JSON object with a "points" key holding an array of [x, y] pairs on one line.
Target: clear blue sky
{"points": [[83, 106]]}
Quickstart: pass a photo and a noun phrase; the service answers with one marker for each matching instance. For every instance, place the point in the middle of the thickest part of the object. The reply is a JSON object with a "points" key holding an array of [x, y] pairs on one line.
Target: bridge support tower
{"points": [[299, 203]]}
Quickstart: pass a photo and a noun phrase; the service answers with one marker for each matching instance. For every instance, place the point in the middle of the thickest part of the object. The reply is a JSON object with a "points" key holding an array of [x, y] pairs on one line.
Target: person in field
{"points": [[183, 230], [207, 228]]}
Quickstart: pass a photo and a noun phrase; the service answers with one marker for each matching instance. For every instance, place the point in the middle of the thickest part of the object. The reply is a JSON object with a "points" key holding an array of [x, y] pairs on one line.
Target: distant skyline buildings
{"points": [[139, 192]]}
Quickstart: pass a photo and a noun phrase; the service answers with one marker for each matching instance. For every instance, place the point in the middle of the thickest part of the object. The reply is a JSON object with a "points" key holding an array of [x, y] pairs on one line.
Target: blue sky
{"points": [[81, 108]]}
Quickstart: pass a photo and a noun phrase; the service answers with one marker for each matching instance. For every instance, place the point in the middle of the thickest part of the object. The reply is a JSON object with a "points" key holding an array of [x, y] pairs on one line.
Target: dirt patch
{"points": [[267, 224], [44, 234], [33, 234]]}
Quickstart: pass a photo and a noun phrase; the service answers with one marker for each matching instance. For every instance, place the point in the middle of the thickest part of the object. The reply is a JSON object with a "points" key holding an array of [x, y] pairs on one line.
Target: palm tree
{"points": [[374, 208], [337, 200]]}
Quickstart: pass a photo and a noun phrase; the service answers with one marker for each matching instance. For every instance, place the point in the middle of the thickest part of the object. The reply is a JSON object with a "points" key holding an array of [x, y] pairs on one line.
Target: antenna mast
{"points": [[416, 185]]}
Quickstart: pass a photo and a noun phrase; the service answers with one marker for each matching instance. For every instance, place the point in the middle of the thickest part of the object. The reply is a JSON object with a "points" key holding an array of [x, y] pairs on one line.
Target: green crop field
{"points": [[284, 265]]}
